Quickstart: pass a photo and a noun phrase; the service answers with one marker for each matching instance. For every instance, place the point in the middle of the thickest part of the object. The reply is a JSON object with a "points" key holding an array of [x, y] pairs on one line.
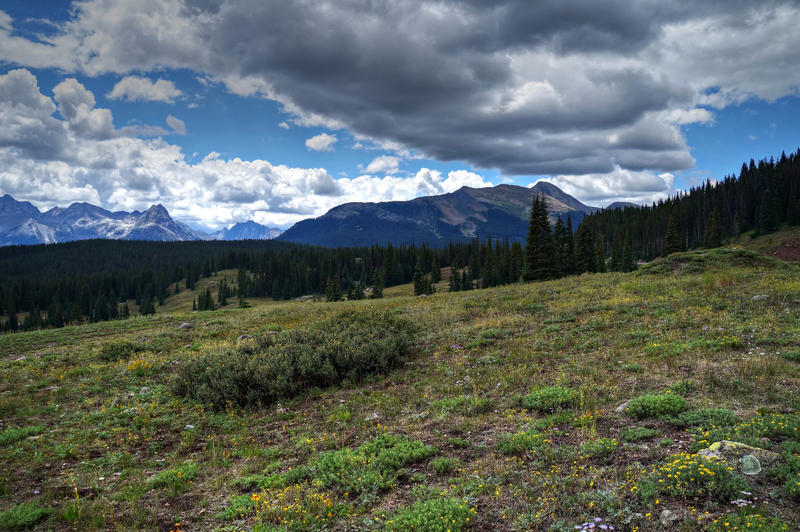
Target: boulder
{"points": [[747, 460], [184, 326], [668, 518], [243, 337]]}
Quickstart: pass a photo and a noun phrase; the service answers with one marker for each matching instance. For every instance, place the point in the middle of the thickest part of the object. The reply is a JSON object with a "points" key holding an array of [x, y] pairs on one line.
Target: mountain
{"points": [[22, 223], [249, 230], [498, 212]]}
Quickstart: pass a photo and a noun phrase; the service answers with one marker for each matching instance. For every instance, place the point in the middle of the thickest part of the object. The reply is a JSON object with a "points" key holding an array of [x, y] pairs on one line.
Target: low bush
{"points": [[350, 346], [689, 476], [467, 405], [176, 480], [746, 521], [637, 434], [647, 406], [434, 515], [12, 435], [443, 465], [528, 442], [551, 398], [372, 467], [113, 351], [22, 516], [600, 449], [793, 356]]}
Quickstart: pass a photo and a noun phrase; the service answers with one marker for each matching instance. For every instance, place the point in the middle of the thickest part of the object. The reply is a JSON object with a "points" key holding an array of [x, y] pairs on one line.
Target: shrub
{"points": [[793, 356], [175, 480], [708, 417], [443, 465], [656, 405], [746, 521], [295, 507], [524, 443], [433, 515], [467, 405], [551, 398], [349, 346], [11, 435], [690, 475], [600, 449], [637, 434], [22, 515], [369, 468], [113, 351]]}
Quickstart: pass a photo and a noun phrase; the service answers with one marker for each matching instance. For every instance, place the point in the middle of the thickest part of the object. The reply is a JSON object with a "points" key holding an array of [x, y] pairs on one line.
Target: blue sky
{"points": [[234, 110]]}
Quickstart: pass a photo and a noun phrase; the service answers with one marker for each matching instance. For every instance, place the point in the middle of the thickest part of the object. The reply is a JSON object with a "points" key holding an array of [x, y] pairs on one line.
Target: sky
{"points": [[231, 110]]}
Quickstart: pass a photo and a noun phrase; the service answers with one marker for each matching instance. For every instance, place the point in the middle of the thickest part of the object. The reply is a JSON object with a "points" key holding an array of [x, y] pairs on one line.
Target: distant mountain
{"points": [[22, 223], [620, 205], [249, 230], [498, 212]]}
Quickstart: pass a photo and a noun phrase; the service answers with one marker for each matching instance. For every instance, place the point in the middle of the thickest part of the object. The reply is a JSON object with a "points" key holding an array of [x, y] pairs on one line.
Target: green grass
{"points": [[516, 387]]}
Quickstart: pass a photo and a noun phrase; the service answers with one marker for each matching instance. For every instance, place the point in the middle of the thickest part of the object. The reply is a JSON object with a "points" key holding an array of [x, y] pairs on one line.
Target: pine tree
{"points": [[377, 285], [585, 258], [333, 291], [672, 243], [436, 272], [616, 251], [539, 244], [455, 280], [628, 265], [419, 286], [713, 234]]}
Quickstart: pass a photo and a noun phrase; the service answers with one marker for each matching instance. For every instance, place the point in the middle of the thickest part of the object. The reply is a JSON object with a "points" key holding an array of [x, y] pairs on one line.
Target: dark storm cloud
{"points": [[527, 87]]}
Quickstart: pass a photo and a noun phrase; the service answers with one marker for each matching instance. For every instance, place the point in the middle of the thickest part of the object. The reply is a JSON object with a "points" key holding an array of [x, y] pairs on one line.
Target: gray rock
{"points": [[372, 418], [621, 408], [243, 337], [747, 460], [184, 326], [668, 517], [144, 391], [759, 297]]}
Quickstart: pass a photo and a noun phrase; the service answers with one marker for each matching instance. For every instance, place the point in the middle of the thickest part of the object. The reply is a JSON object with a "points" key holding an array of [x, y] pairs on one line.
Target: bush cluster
{"points": [[551, 398], [656, 405], [349, 346], [690, 475], [440, 514]]}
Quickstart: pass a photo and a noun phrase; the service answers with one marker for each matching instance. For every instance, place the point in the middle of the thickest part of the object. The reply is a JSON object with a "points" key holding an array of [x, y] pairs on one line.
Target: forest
{"points": [[59, 284]]}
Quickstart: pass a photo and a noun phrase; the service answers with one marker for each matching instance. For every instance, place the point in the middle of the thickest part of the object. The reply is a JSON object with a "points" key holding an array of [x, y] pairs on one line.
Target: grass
{"points": [[500, 415]]}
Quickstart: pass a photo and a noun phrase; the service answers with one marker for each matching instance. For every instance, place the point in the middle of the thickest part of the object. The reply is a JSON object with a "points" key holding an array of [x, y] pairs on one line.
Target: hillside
{"points": [[498, 212], [495, 409]]}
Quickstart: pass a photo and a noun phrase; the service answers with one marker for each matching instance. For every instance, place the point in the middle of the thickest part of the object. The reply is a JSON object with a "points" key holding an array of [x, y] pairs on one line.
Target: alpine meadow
{"points": [[399, 265]]}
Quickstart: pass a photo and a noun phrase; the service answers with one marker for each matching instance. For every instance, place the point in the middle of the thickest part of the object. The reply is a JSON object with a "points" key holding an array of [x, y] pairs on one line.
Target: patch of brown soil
{"points": [[789, 251]]}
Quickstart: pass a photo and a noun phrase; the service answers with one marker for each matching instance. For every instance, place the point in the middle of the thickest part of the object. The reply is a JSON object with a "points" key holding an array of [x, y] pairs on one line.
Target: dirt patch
{"points": [[788, 251]]}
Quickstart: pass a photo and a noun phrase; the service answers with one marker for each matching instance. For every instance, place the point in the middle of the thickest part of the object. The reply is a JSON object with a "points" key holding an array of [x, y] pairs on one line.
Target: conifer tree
{"points": [[377, 285], [585, 257], [672, 243], [333, 291], [713, 234], [539, 244], [454, 281]]}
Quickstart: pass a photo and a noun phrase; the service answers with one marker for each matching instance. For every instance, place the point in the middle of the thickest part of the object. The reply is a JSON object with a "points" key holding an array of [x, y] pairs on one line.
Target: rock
{"points": [[747, 460], [144, 391], [668, 517], [621, 408], [759, 297], [188, 427], [184, 326], [372, 418], [243, 337]]}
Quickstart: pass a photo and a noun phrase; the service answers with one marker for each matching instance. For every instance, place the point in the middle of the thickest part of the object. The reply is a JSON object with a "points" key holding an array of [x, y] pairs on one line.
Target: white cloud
{"points": [[139, 89], [383, 164], [321, 142], [283, 125], [177, 125], [463, 178], [76, 104], [618, 185]]}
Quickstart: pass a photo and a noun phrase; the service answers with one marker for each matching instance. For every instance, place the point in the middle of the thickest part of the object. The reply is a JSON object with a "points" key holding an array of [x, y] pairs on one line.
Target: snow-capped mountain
{"points": [[22, 223], [249, 230]]}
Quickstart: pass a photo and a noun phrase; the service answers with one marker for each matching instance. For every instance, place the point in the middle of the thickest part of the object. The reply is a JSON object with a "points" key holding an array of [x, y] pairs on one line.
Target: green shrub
{"points": [[524, 443], [746, 521], [793, 356], [372, 467], [11, 435], [708, 417], [689, 476], [457, 442], [22, 515], [467, 405], [443, 465], [239, 506], [647, 406], [633, 368], [433, 515], [113, 351], [551, 398], [261, 482], [349, 346], [637, 434], [600, 449], [176, 480]]}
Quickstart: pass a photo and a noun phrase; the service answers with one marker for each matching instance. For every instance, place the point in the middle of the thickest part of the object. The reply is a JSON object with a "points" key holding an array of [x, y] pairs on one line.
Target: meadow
{"points": [[575, 404]]}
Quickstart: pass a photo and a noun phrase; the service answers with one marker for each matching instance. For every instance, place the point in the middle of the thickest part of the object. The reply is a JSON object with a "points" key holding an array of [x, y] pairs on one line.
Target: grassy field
{"points": [[508, 413]]}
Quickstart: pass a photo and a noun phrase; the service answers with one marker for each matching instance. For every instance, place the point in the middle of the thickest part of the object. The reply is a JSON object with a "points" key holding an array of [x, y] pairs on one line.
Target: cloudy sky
{"points": [[276, 111]]}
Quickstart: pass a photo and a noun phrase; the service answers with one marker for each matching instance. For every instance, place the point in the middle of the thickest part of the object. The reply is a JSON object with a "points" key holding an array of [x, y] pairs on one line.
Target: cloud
{"points": [[177, 125], [640, 187], [321, 142], [76, 104], [526, 88], [139, 89], [383, 164], [283, 125]]}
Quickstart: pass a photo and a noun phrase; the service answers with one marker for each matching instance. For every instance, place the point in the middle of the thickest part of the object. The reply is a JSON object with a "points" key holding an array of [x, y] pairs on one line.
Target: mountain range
{"points": [[498, 212], [22, 223]]}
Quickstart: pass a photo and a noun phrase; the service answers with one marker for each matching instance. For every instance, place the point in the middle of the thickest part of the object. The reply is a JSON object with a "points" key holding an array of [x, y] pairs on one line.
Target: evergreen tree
{"points": [[454, 281], [560, 249], [333, 291], [539, 244], [713, 234], [616, 264], [570, 249], [585, 257], [377, 285], [419, 282], [436, 272], [628, 264], [672, 243], [768, 212]]}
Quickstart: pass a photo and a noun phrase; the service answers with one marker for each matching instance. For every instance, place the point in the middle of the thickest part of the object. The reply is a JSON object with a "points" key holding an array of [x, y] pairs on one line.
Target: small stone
{"points": [[759, 297], [184, 326], [243, 337], [372, 418], [668, 517], [621, 408], [144, 391], [188, 427]]}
